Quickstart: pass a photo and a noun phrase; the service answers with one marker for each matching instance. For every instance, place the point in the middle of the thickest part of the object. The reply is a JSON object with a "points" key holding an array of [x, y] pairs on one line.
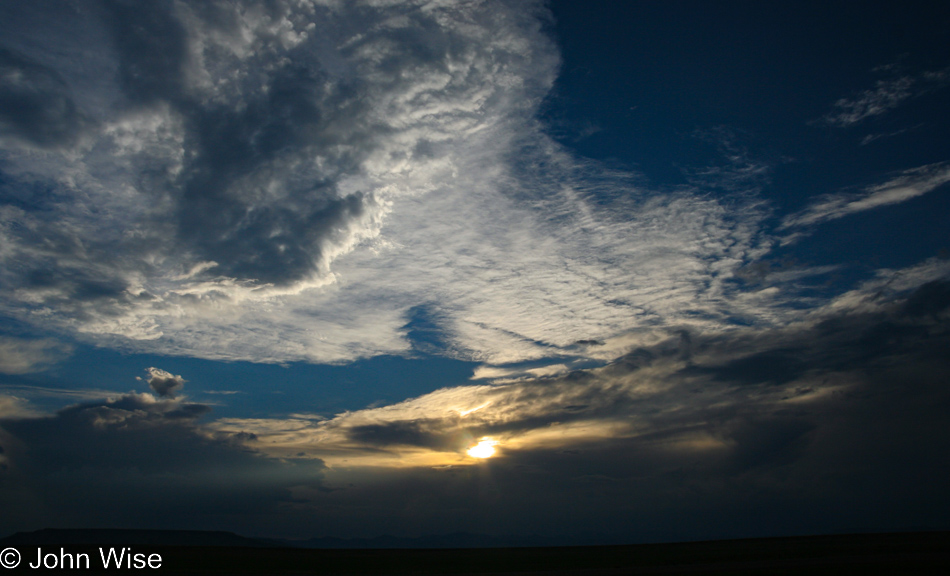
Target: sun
{"points": [[484, 449]]}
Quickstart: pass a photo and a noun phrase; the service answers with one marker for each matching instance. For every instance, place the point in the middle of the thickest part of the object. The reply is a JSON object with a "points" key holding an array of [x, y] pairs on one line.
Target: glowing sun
{"points": [[484, 449]]}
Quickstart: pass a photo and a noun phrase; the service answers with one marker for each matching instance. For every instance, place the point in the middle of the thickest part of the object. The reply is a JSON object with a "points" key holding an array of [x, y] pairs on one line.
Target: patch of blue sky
{"points": [[245, 388]]}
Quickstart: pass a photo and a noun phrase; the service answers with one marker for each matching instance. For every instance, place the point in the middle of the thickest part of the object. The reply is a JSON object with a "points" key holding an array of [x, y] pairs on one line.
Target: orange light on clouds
{"points": [[484, 449]]}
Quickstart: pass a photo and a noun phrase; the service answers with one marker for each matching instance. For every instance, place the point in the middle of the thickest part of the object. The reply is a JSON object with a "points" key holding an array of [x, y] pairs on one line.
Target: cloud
{"points": [[35, 106], [886, 95], [20, 356], [324, 183], [12, 407], [688, 426], [674, 386], [739, 172], [909, 184], [31, 390], [799, 421], [873, 137], [241, 152], [327, 181], [136, 460], [303, 183], [165, 384]]}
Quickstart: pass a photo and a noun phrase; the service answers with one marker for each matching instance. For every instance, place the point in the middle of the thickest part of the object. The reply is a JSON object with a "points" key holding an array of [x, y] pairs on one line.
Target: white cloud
{"points": [[909, 184], [165, 384], [19, 356], [436, 189], [301, 180]]}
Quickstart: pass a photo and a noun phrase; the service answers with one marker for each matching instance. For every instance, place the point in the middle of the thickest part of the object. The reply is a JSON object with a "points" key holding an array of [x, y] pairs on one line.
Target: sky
{"points": [[680, 270]]}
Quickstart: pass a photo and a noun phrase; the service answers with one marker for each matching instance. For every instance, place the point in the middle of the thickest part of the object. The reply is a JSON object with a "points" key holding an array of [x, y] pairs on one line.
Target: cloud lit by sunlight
{"points": [[484, 449]]}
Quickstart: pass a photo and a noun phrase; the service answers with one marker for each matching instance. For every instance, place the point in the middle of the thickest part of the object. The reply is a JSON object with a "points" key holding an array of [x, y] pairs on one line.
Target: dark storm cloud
{"points": [[836, 424], [931, 299], [240, 144], [136, 461], [35, 104], [750, 433], [74, 283], [761, 395], [151, 43]]}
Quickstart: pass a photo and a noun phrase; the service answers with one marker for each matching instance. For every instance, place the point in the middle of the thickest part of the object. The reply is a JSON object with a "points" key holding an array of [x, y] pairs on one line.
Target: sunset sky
{"points": [[675, 270]]}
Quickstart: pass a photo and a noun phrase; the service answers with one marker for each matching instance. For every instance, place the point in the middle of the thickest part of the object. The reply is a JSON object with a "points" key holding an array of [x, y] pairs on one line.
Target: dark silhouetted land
{"points": [[210, 553]]}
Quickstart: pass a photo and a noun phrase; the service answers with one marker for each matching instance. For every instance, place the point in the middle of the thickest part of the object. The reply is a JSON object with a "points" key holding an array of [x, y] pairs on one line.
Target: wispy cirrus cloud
{"points": [[885, 96], [909, 184]]}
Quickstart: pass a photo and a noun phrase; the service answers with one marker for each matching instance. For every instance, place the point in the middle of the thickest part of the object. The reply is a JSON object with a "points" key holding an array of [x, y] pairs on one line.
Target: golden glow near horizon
{"points": [[484, 449]]}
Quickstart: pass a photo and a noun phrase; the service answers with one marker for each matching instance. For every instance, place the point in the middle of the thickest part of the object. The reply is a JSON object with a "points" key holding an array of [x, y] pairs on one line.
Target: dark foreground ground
{"points": [[891, 554]]}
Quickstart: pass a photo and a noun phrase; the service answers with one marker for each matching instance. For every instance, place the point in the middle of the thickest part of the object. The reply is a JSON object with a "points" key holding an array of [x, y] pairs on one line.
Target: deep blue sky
{"points": [[654, 79], [276, 268]]}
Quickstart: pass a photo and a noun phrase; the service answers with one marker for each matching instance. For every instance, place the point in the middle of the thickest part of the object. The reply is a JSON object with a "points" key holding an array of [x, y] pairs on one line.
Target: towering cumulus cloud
{"points": [[165, 384]]}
